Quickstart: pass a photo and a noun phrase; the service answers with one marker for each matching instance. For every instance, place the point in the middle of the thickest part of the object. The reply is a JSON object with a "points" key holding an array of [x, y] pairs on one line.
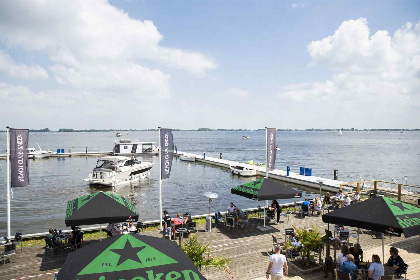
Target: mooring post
{"points": [[358, 187], [375, 185], [399, 191]]}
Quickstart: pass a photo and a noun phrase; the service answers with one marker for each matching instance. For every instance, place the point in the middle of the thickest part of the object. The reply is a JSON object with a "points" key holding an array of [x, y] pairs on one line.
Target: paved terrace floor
{"points": [[248, 248]]}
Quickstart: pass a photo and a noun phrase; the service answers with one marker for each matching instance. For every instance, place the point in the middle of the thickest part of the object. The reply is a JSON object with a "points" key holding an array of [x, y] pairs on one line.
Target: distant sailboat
{"points": [[340, 133]]}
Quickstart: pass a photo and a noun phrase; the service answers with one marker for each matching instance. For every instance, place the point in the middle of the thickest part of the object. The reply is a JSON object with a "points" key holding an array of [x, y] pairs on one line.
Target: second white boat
{"points": [[114, 171]]}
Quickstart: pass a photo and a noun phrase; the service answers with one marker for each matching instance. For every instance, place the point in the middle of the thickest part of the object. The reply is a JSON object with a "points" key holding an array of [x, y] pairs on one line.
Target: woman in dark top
{"points": [[327, 198], [357, 253], [276, 206]]}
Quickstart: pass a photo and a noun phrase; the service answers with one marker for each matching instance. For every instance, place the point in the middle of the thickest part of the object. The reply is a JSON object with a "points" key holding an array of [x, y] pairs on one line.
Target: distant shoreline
{"points": [[46, 130]]}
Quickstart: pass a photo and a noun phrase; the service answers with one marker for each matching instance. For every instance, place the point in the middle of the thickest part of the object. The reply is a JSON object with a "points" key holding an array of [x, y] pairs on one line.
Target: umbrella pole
{"points": [[265, 203], [358, 230], [383, 249]]}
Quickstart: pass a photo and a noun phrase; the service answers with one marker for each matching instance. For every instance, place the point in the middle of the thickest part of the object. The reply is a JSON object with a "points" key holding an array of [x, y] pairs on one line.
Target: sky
{"points": [[218, 64]]}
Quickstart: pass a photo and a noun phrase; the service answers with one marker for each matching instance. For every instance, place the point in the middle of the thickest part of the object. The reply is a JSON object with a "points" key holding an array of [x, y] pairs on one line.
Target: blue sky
{"points": [[218, 64]]}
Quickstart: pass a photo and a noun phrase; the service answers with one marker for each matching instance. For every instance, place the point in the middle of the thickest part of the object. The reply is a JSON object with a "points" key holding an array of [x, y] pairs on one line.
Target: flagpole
{"points": [[8, 182], [266, 167], [160, 180]]}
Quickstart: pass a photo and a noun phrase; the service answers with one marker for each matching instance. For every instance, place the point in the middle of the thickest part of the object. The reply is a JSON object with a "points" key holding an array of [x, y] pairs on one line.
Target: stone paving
{"points": [[247, 247]]}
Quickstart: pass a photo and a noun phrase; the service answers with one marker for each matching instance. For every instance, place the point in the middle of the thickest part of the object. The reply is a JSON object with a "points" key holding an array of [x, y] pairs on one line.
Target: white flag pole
{"points": [[266, 167], [8, 182], [160, 181]]}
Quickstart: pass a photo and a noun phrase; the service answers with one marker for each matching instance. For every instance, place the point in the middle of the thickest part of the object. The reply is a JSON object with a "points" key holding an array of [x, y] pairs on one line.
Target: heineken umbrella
{"points": [[265, 189], [130, 256], [380, 214], [99, 208]]}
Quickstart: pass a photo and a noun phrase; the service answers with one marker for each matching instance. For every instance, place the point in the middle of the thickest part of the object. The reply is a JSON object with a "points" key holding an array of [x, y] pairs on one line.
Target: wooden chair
{"points": [[340, 275], [49, 246], [275, 242]]}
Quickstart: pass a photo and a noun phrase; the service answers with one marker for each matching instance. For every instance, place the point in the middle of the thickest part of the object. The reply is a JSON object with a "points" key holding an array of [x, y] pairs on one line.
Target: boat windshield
{"points": [[105, 164]]}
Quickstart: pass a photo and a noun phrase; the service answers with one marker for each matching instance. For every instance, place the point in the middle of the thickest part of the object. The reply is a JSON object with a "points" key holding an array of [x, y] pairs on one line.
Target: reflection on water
{"points": [[54, 181]]}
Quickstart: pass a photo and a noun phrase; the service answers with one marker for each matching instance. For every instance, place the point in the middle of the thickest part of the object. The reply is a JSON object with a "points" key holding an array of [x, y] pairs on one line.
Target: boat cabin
{"points": [[128, 147]]}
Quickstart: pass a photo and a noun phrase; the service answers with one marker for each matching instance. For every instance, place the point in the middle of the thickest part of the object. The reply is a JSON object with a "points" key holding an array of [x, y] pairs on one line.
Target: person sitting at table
{"points": [[276, 206], [339, 195], [231, 209], [327, 198], [342, 256], [350, 267], [178, 220], [317, 205], [347, 200], [395, 263], [131, 228], [376, 269], [187, 218], [357, 253], [56, 241], [75, 237], [356, 197], [240, 215], [113, 230]]}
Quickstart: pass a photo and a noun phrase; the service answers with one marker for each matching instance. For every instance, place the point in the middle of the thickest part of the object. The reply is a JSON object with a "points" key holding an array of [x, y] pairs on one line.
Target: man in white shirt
{"points": [[276, 265], [231, 209]]}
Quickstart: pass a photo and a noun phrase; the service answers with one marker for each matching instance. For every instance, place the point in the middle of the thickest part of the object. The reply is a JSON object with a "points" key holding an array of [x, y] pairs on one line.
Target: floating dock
{"points": [[281, 175]]}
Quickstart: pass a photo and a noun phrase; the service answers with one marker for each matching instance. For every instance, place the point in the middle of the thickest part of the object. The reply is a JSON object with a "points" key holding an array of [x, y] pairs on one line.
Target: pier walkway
{"points": [[247, 247]]}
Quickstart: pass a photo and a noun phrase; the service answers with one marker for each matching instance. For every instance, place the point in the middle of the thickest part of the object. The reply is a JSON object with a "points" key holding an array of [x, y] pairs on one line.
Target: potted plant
{"points": [[200, 254], [310, 242]]}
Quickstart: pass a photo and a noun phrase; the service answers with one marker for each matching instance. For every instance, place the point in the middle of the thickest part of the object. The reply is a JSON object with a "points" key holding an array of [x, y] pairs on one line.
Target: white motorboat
{"points": [[114, 171], [118, 134], [242, 171], [33, 153], [187, 157], [246, 137], [128, 147]]}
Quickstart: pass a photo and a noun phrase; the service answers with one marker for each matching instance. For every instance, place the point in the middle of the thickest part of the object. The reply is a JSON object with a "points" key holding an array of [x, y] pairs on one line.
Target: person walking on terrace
{"points": [[277, 265]]}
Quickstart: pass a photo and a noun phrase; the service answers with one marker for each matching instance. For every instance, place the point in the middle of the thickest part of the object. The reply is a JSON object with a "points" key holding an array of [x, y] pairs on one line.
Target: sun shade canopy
{"points": [[380, 214], [265, 189], [99, 208]]}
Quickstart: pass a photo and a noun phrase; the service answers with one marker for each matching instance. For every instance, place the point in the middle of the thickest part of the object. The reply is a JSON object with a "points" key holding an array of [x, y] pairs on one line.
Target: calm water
{"points": [[382, 155]]}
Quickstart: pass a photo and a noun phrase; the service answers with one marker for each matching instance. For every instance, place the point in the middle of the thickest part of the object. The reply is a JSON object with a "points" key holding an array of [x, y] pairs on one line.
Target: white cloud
{"points": [[238, 92], [298, 6], [15, 70], [93, 45], [13, 95], [371, 70]]}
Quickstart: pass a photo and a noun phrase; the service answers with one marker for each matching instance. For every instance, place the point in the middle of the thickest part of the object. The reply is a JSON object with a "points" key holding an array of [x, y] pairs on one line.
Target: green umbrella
{"points": [[130, 256], [265, 189]]}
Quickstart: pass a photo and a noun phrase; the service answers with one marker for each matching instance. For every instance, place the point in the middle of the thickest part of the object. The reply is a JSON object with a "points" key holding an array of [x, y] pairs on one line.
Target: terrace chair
{"points": [[243, 221], [260, 212], [340, 275], [288, 232], [344, 237], [140, 227], [49, 246], [275, 242], [298, 210], [230, 222], [9, 250], [191, 227], [18, 240]]}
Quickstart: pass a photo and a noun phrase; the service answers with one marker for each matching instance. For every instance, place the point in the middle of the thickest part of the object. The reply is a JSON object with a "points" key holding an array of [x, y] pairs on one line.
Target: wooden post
{"points": [[358, 187], [375, 185], [399, 191]]}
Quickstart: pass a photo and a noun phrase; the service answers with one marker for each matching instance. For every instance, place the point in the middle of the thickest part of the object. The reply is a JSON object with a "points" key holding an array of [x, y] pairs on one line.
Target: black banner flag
{"points": [[271, 148], [166, 151], [19, 157]]}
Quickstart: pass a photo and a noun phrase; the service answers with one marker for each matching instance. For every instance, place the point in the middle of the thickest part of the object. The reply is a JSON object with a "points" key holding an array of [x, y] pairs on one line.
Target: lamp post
{"points": [[320, 188]]}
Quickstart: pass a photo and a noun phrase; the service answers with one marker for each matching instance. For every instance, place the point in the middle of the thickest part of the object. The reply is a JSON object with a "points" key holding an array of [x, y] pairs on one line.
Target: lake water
{"points": [[54, 181]]}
